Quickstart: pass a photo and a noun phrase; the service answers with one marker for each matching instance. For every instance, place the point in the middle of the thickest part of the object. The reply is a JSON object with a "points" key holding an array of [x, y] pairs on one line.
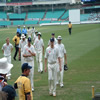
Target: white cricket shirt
{"points": [[7, 49], [52, 54], [26, 51], [61, 49], [22, 44], [38, 44]]}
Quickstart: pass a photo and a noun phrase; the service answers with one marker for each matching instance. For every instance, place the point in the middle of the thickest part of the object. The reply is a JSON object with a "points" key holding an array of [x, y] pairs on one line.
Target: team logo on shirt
{"points": [[49, 51]]}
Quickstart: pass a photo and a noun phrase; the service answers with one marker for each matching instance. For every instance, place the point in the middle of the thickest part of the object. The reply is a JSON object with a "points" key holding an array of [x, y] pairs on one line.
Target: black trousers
{"points": [[16, 51], [69, 31]]}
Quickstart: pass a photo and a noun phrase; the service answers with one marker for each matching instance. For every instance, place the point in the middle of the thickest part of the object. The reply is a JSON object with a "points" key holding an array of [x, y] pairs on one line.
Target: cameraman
{"points": [[16, 40]]}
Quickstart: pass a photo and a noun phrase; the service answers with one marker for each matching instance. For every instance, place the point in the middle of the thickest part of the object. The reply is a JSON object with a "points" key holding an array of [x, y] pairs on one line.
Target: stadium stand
{"points": [[35, 15], [66, 15], [54, 14], [17, 16], [84, 17], [30, 22], [3, 15], [5, 23], [56, 21], [18, 22], [44, 21]]}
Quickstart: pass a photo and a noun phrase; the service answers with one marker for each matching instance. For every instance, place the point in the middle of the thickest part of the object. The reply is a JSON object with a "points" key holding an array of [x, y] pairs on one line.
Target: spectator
{"points": [[5, 67]]}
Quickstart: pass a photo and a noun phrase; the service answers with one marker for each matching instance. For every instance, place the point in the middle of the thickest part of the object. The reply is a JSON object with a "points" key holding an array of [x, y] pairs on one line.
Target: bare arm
{"points": [[28, 97], [65, 58], [3, 51], [11, 49]]}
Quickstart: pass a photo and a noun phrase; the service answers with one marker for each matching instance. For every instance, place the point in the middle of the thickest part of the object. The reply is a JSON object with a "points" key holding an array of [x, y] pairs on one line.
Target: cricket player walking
{"points": [[7, 49], [39, 47], [52, 54], [22, 43], [28, 54], [55, 40], [62, 51]]}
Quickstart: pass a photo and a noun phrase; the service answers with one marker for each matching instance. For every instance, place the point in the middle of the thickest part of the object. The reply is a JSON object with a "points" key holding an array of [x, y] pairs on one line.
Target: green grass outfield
{"points": [[83, 56]]}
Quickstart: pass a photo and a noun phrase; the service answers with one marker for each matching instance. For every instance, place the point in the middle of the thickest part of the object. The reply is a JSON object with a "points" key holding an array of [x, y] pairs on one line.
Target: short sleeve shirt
{"points": [[61, 49], [7, 49], [26, 51], [52, 54], [24, 87], [22, 44], [39, 44]]}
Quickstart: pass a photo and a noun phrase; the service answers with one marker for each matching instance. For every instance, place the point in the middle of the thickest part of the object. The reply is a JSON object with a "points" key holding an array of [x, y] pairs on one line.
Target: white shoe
{"points": [[57, 83], [61, 85], [32, 90], [54, 94]]}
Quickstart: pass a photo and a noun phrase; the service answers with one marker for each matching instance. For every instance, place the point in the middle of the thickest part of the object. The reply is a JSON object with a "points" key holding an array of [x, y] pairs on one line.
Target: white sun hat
{"points": [[39, 33], [5, 67], [23, 26], [23, 36], [59, 38]]}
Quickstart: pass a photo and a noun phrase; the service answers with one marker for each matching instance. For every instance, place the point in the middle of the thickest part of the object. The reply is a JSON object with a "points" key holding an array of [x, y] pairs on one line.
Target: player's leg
{"points": [[58, 73], [31, 75], [40, 62], [62, 73], [9, 61], [54, 75], [50, 79]]}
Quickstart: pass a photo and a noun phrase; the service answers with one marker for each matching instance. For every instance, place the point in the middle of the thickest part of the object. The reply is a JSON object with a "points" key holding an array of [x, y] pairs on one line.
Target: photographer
{"points": [[16, 40]]}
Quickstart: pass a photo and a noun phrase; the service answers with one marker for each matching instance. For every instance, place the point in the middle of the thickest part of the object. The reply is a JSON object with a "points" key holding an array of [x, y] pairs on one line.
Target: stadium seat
{"points": [[30, 22]]}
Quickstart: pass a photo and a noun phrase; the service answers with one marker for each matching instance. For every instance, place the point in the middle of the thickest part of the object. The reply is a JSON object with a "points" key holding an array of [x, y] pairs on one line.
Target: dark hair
{"points": [[10, 91]]}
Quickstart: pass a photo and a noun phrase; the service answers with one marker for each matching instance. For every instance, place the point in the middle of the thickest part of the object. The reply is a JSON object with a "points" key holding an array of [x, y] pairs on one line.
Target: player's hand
{"points": [[60, 69], [29, 51], [45, 69]]}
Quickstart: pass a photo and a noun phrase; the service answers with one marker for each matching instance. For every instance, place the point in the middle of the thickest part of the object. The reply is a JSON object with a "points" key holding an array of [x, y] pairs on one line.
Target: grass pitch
{"points": [[83, 57]]}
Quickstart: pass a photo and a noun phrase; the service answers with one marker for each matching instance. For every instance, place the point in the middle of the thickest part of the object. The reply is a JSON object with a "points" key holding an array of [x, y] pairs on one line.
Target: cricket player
{"points": [[7, 49], [55, 40], [22, 43], [28, 54], [35, 35], [52, 54], [39, 47], [23, 83], [29, 31], [63, 57]]}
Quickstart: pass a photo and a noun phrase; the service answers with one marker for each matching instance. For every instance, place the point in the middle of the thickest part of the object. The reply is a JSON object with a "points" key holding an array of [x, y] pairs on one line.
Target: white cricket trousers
{"points": [[60, 74], [39, 60], [9, 61], [52, 75], [31, 75], [22, 58]]}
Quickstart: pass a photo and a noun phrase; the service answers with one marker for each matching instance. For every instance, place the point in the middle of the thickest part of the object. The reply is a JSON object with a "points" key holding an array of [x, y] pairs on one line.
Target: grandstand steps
{"points": [[62, 14], [44, 14], [26, 15], [7, 17]]}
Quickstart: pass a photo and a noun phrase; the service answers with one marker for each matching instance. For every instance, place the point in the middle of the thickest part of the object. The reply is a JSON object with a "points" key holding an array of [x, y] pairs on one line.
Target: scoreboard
{"points": [[17, 1]]}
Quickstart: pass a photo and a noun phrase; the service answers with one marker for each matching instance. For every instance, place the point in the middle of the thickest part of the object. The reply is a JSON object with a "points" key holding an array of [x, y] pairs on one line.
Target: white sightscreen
{"points": [[74, 15]]}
